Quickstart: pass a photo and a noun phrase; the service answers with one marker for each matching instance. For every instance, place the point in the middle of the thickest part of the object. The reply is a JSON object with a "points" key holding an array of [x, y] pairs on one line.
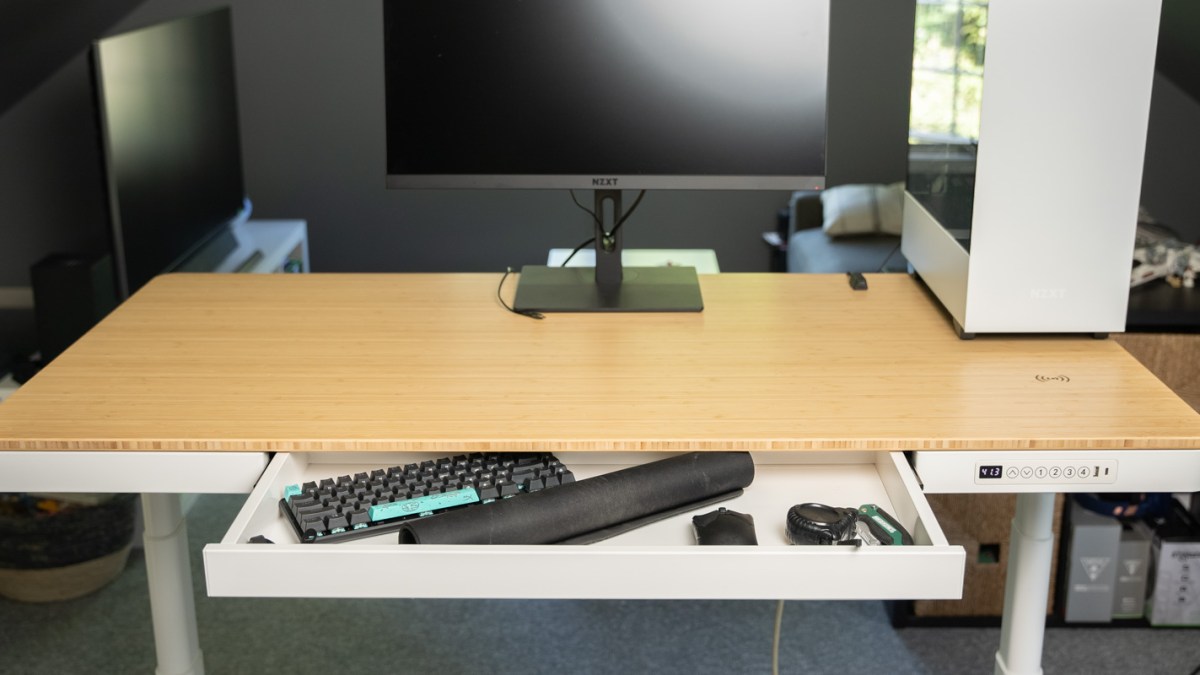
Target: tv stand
{"points": [[268, 246]]}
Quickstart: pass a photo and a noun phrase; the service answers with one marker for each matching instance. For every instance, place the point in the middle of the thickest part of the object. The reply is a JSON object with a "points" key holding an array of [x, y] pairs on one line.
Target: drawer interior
{"points": [[781, 480]]}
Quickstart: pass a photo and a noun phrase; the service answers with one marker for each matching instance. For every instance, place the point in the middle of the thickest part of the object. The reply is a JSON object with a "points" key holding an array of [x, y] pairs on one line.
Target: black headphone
{"points": [[820, 524]]}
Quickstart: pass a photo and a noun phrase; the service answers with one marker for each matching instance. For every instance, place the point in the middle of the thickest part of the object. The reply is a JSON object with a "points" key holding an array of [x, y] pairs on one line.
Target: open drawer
{"points": [[660, 560]]}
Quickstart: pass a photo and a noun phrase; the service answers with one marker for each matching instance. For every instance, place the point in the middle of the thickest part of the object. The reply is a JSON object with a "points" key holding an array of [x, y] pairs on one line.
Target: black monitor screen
{"points": [[684, 94], [169, 120]]}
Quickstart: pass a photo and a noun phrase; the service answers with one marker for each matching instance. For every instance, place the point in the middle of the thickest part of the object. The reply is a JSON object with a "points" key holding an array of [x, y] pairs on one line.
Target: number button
{"points": [[1069, 472], [1040, 472], [1084, 472], [1055, 472]]}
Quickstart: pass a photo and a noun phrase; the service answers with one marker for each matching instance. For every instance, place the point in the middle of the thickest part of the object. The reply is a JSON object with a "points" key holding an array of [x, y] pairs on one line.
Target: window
{"points": [[948, 52]]}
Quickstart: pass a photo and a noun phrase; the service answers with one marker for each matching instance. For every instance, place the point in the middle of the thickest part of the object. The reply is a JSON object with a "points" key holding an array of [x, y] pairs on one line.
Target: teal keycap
{"points": [[291, 490], [416, 505]]}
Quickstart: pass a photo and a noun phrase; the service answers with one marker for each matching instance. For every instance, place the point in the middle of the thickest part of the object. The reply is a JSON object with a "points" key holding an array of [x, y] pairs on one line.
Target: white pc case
{"points": [[1066, 98]]}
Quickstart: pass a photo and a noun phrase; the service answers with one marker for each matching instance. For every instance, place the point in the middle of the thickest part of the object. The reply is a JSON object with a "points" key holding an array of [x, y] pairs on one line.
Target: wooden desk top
{"points": [[432, 362]]}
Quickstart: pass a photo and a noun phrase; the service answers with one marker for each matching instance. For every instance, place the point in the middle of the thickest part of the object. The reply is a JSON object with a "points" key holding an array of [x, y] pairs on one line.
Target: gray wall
{"points": [[311, 87], [1171, 174]]}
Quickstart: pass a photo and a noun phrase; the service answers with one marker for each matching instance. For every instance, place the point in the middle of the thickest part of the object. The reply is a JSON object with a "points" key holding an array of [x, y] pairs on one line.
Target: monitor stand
{"points": [[609, 286]]}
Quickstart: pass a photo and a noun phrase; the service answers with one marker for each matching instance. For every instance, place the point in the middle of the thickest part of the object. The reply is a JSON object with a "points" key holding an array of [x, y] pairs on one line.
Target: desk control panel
{"points": [[1084, 470], [1047, 472]]}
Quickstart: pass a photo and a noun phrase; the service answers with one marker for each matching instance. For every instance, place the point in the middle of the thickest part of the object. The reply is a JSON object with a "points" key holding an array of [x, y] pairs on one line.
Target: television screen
{"points": [[167, 99], [677, 94]]}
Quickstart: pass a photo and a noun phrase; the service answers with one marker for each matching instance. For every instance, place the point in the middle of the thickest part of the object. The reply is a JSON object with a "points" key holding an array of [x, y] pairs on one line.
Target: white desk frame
{"points": [[162, 478], [169, 571]]}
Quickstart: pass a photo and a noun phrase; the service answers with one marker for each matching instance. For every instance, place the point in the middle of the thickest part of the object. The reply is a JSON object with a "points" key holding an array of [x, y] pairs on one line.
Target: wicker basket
{"points": [[68, 554]]}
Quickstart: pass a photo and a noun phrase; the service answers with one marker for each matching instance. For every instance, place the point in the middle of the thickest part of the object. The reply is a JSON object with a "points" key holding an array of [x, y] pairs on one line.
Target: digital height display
{"points": [[991, 471]]}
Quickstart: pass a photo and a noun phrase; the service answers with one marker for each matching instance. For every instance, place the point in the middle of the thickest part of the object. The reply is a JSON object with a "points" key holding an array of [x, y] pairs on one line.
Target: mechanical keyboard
{"points": [[366, 504]]}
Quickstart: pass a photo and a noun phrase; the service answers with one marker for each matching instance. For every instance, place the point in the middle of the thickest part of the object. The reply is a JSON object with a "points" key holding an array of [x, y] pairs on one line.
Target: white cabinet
{"points": [[268, 246]]}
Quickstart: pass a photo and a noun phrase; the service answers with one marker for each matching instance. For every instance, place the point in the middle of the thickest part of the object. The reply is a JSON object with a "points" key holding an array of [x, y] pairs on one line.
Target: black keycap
{"points": [[338, 521], [508, 488], [358, 517], [313, 526], [489, 492], [522, 475], [307, 511], [534, 484], [301, 501]]}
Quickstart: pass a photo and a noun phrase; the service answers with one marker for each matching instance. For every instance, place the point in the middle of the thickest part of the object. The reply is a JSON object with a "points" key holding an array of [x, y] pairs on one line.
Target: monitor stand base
{"points": [[574, 289]]}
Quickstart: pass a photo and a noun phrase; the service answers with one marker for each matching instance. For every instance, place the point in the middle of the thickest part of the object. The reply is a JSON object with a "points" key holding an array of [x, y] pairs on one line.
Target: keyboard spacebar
{"points": [[420, 505]]}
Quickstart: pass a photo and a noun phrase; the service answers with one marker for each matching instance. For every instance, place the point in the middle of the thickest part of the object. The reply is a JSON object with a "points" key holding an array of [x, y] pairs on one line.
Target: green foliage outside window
{"points": [[948, 52]]}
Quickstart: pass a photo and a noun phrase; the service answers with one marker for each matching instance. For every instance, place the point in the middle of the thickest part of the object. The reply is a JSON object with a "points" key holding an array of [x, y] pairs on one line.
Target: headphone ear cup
{"points": [[819, 524]]}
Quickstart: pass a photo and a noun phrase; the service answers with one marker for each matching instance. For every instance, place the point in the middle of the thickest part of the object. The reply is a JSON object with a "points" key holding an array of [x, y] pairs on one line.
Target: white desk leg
{"points": [[169, 573], [1023, 627]]}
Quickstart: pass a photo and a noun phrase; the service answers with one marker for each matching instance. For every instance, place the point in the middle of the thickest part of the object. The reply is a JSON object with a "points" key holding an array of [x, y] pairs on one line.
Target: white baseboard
{"points": [[16, 297]]}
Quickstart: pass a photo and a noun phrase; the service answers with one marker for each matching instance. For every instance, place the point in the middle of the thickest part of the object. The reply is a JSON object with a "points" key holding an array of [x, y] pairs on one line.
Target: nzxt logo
{"points": [[604, 182], [1048, 293]]}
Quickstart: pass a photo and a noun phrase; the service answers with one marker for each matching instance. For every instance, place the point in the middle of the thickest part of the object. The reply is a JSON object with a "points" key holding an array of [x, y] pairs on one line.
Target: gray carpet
{"points": [[109, 632]]}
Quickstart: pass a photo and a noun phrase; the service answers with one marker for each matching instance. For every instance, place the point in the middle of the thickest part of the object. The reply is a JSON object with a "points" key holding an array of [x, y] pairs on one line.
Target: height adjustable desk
{"points": [[214, 383]]}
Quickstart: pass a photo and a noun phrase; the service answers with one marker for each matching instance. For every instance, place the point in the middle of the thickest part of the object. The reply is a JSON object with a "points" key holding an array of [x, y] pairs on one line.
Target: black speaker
{"points": [[71, 293]]}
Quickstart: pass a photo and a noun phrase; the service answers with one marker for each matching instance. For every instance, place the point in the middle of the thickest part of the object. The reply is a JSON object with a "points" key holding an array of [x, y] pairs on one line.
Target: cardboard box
{"points": [[1092, 556], [982, 525], [1133, 572]]}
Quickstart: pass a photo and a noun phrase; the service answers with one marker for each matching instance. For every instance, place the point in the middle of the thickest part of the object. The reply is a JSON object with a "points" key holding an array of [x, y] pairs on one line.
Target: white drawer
{"points": [[660, 560]]}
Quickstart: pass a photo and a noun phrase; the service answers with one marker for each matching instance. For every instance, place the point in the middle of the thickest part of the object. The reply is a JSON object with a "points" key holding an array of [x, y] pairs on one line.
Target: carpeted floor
{"points": [[109, 632]]}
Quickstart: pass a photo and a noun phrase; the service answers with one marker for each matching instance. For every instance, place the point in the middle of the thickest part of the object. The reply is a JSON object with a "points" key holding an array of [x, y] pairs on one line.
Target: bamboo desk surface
{"points": [[432, 362]]}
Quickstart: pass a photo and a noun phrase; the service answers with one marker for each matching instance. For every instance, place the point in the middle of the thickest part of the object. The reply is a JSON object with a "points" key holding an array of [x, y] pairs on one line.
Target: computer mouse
{"points": [[725, 528]]}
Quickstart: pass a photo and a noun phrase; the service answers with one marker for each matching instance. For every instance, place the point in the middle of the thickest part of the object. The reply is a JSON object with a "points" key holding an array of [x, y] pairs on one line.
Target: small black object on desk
{"points": [[725, 528], [820, 524]]}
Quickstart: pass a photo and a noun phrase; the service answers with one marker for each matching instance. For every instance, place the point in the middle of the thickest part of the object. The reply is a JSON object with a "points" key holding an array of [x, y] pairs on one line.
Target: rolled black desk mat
{"points": [[570, 510]]}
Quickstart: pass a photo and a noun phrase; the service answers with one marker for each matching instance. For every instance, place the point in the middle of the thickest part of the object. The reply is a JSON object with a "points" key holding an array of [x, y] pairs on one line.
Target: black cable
{"points": [[586, 210], [523, 312], [596, 218], [628, 213], [889, 256], [577, 250]]}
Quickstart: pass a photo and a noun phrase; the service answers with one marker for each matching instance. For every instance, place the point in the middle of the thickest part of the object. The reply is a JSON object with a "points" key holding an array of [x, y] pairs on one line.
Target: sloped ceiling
{"points": [[1179, 45], [37, 37]]}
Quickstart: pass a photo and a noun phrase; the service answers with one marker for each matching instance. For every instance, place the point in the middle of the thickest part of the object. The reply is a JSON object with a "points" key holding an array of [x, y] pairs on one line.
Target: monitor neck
{"points": [[608, 239]]}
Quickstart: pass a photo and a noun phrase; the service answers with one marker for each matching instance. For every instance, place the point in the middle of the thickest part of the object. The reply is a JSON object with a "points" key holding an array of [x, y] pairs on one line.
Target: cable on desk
{"points": [[523, 312]]}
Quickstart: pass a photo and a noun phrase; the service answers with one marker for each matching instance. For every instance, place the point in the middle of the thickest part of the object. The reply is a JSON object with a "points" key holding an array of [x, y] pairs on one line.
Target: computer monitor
{"points": [[608, 95], [167, 102]]}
